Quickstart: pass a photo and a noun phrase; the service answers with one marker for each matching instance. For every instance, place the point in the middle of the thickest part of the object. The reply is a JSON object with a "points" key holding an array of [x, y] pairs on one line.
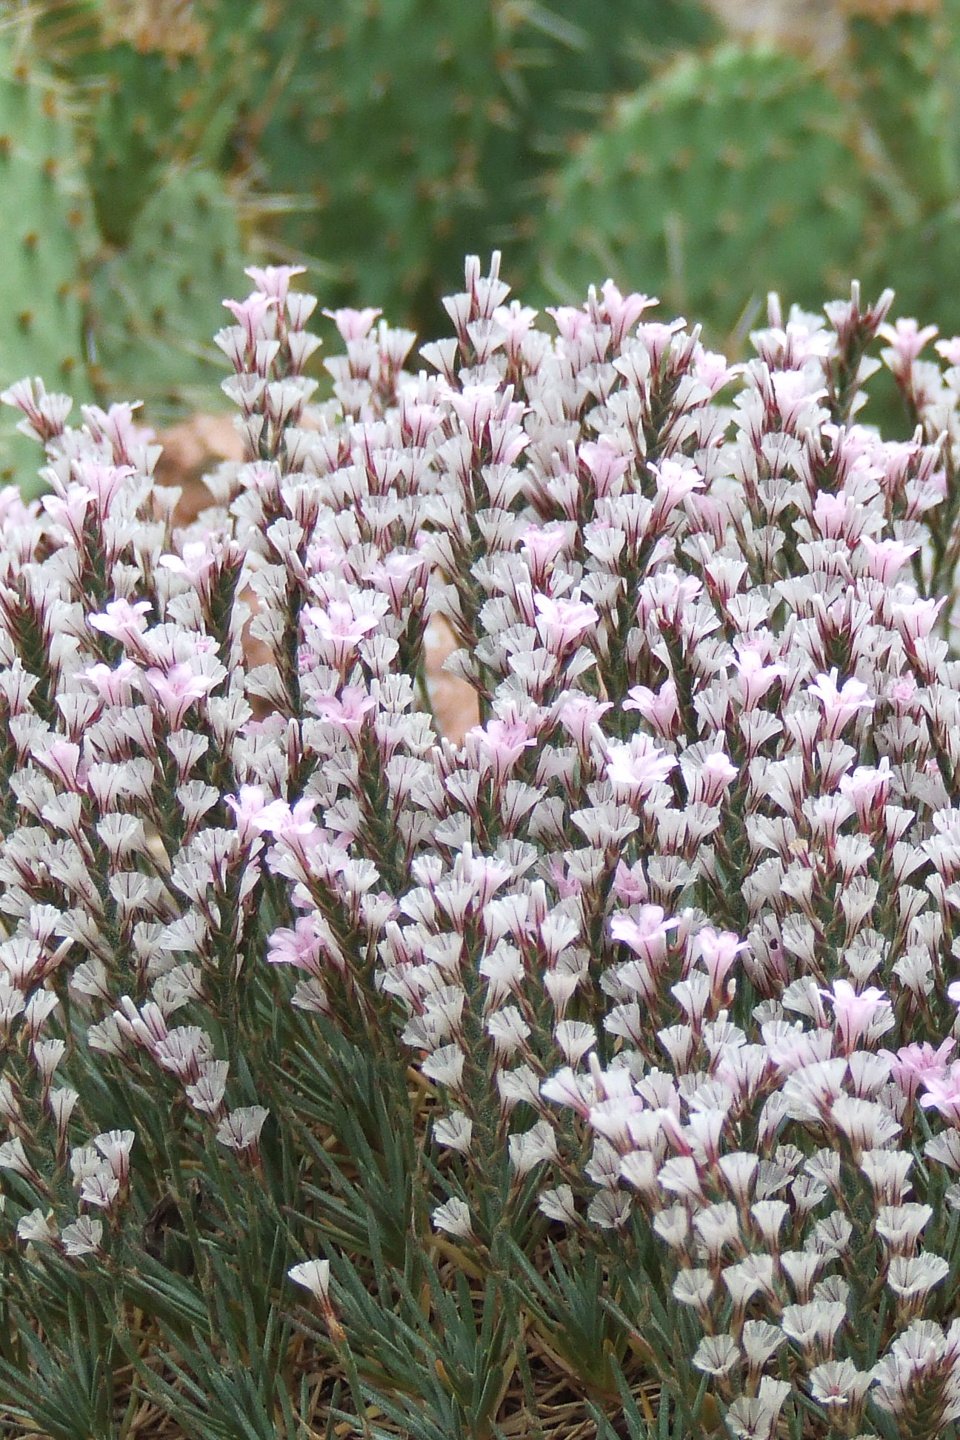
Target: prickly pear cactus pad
{"points": [[382, 134], [154, 304], [403, 130], [731, 174], [163, 82], [903, 65], [46, 233]]}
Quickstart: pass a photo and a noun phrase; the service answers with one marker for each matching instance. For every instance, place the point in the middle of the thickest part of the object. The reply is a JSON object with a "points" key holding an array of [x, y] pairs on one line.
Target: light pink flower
{"points": [[606, 464], [839, 705], [643, 931], [250, 315], [916, 618], [886, 557], [657, 337], [562, 879], [712, 370], [943, 1092], [346, 711], [902, 692], [713, 778], [248, 808], [867, 789], [579, 714], [274, 280], [630, 884], [195, 561], [301, 947], [854, 1014], [353, 324], [69, 510], [338, 630], [113, 685], [665, 595], [571, 322], [498, 745], [476, 405], [660, 708], [718, 950], [755, 674], [623, 311], [911, 1064], [562, 623], [122, 621], [834, 515], [104, 482], [284, 821], [397, 575], [907, 339], [62, 759], [639, 765], [949, 350], [795, 392], [176, 689], [675, 482], [516, 321]]}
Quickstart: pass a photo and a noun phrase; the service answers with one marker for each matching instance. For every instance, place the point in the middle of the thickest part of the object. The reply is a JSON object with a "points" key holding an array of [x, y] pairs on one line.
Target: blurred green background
{"points": [[702, 152]]}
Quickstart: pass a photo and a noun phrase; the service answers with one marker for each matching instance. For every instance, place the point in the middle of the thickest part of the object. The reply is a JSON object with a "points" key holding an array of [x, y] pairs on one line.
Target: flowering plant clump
{"points": [[598, 1071]]}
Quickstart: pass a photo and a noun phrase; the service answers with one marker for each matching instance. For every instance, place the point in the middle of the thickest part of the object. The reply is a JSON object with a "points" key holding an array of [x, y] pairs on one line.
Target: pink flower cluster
{"points": [[674, 929]]}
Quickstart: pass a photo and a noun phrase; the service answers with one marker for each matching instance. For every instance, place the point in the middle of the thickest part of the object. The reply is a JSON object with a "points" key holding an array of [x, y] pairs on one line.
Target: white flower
{"points": [[240, 1130], [313, 1275], [115, 1147], [716, 1354], [760, 1340], [454, 1131], [693, 1287], [559, 1205], [14, 1157], [914, 1276], [454, 1218], [445, 1066], [838, 1383], [813, 1324], [100, 1188], [751, 1276], [574, 1039], [83, 1237], [508, 1030], [532, 1147], [38, 1227]]}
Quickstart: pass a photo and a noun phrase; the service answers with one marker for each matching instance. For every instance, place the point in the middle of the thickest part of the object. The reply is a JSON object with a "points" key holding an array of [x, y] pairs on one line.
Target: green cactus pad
{"points": [[903, 70], [381, 136], [928, 287], [47, 235], [728, 176], [158, 94], [410, 132], [156, 303]]}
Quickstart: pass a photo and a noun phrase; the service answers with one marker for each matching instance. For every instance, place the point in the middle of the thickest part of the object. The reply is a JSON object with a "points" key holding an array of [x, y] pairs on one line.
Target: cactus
{"points": [[154, 303], [747, 170], [165, 84], [47, 234], [729, 175], [410, 131], [386, 138], [901, 66], [398, 133]]}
